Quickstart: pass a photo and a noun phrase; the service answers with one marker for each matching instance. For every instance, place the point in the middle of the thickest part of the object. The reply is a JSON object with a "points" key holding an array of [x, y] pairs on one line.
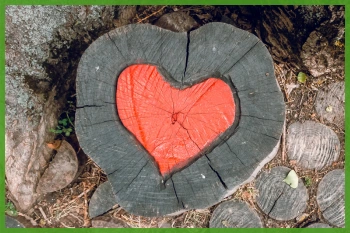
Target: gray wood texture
{"points": [[312, 145], [319, 225], [216, 49], [331, 197], [234, 214], [102, 200], [330, 103], [12, 223], [276, 198]]}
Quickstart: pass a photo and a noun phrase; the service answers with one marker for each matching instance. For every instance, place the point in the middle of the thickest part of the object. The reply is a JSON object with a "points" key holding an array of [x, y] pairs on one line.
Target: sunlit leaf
{"points": [[292, 179], [302, 77]]}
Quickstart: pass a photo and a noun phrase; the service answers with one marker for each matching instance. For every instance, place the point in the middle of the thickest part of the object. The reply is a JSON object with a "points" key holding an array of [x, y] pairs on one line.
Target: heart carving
{"points": [[174, 125]]}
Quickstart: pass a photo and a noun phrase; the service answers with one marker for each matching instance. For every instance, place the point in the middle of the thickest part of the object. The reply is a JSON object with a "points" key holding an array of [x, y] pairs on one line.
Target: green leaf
{"points": [[292, 179], [67, 134], [302, 77]]}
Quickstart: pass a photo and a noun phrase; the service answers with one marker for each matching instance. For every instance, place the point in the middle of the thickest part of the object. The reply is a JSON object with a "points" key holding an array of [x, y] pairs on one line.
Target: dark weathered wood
{"points": [[61, 171], [234, 214], [217, 50], [102, 200], [312, 145], [12, 223], [319, 225], [108, 222], [331, 197], [330, 103], [276, 198]]}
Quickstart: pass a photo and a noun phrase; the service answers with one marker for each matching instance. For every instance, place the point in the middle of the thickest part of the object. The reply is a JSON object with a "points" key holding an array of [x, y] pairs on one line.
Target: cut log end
{"points": [[312, 145], [234, 214], [331, 197], [276, 198]]}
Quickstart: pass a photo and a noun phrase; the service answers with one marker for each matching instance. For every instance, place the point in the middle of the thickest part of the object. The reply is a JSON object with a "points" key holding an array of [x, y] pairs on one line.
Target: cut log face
{"points": [[319, 225], [217, 148], [312, 145], [234, 214], [330, 103], [102, 200], [331, 197], [276, 198]]}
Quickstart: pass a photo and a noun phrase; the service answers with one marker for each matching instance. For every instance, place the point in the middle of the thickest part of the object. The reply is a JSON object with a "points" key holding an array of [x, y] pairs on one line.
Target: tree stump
{"points": [[276, 198], [331, 197], [330, 103], [234, 214], [312, 145], [177, 121]]}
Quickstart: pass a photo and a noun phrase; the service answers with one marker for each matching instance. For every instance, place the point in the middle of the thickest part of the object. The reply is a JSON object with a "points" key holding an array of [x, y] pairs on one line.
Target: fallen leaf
{"points": [[302, 77], [292, 179]]}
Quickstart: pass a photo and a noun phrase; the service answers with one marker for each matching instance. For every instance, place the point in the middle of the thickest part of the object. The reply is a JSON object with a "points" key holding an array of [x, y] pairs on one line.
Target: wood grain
{"points": [[312, 145], [102, 200], [330, 103], [215, 50], [276, 198], [331, 197], [319, 225], [234, 214]]}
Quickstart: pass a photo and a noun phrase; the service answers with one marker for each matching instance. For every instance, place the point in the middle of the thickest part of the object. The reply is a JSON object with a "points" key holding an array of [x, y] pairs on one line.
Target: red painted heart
{"points": [[173, 125]]}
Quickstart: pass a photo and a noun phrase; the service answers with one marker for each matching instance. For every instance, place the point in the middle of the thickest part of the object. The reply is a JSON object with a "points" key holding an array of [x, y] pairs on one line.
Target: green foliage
{"points": [[65, 126], [308, 181], [10, 209]]}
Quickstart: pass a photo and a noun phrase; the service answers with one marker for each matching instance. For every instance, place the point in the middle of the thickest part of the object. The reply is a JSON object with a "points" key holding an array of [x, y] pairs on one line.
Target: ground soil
{"points": [[68, 208]]}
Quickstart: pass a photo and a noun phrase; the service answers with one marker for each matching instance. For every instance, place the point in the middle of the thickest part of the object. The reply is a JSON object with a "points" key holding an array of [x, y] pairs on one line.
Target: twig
{"points": [[151, 14], [44, 215], [79, 196], [86, 206]]}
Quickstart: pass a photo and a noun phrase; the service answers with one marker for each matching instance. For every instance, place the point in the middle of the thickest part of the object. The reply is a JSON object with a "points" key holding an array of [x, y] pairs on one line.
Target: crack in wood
{"points": [[218, 175], [116, 46], [228, 70], [89, 106], [275, 202], [261, 133], [177, 197], [187, 55]]}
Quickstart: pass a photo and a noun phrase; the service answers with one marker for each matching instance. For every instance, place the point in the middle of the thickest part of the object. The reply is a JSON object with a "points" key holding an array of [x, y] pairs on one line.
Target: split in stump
{"points": [[330, 103], [234, 214], [331, 197], [276, 198], [312, 145], [177, 121], [102, 200]]}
